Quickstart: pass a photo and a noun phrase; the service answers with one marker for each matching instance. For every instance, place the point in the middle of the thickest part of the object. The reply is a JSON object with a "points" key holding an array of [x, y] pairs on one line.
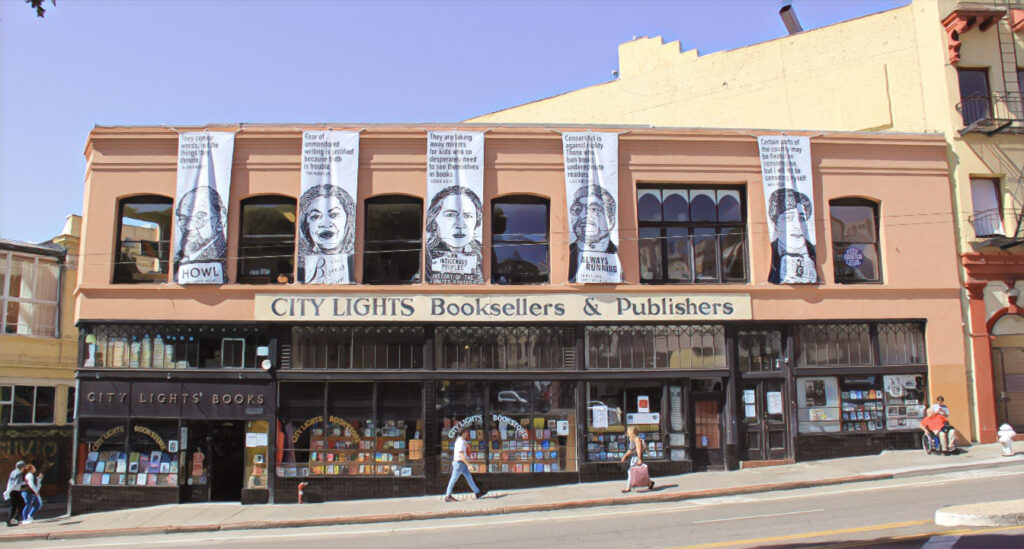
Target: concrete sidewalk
{"points": [[196, 517]]}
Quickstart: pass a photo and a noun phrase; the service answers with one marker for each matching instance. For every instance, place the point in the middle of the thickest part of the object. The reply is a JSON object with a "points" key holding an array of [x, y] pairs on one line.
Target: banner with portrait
{"points": [[789, 201], [327, 206], [592, 193], [201, 207], [454, 225]]}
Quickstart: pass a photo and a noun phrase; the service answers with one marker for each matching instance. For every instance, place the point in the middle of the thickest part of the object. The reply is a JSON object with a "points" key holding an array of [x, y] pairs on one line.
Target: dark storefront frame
{"points": [[723, 385]]}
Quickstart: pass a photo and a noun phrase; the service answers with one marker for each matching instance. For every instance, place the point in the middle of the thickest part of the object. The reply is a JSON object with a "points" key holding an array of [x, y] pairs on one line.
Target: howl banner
{"points": [[454, 226], [592, 193], [201, 212], [327, 207], [789, 200]]}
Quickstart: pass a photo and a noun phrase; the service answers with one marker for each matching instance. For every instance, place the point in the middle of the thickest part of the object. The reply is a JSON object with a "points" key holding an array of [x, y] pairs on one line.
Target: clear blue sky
{"points": [[122, 62]]}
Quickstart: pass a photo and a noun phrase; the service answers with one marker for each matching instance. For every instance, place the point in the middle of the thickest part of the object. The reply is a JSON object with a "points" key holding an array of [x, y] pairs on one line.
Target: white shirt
{"points": [[460, 450], [14, 484], [939, 409]]}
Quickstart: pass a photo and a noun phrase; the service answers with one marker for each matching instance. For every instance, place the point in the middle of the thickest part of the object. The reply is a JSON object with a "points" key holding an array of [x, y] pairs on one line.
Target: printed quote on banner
{"points": [[592, 194], [201, 215]]}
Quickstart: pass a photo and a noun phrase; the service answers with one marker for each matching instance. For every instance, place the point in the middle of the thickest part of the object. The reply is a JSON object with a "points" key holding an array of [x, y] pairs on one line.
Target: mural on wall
{"points": [[49, 449]]}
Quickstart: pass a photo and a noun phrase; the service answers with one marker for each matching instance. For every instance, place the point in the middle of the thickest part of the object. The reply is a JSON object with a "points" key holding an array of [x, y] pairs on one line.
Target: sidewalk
{"points": [[207, 517]]}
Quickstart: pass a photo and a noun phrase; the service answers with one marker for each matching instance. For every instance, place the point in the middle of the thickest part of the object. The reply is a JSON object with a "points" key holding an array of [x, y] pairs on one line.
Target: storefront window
{"points": [[505, 347], [905, 401], [833, 345], [256, 443], [300, 419], [150, 460], [171, 347], [363, 347], [103, 442], [460, 407], [611, 408], [901, 343], [400, 429], [643, 347], [862, 403], [818, 404]]}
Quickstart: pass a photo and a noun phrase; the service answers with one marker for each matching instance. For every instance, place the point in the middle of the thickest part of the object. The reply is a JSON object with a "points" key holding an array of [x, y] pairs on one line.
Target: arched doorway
{"points": [[1008, 369]]}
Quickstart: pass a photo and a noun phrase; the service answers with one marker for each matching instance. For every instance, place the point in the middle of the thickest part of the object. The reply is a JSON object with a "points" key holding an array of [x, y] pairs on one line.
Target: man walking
{"points": [[460, 467], [15, 482]]}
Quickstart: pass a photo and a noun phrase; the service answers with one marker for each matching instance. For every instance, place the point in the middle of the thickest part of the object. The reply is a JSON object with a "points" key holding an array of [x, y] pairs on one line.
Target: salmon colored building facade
{"points": [[356, 389]]}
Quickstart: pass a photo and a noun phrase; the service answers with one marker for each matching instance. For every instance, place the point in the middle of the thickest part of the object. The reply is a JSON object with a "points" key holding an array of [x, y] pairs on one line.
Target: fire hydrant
{"points": [[1005, 436], [302, 489]]}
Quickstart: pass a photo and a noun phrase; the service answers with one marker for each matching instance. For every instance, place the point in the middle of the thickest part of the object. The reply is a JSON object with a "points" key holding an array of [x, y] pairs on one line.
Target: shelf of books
{"points": [[115, 468], [611, 443], [523, 445], [364, 448]]}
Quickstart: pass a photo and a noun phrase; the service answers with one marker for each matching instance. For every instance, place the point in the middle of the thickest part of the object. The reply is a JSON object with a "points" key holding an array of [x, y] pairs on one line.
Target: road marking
{"points": [[806, 535], [940, 542], [960, 532], [757, 516]]}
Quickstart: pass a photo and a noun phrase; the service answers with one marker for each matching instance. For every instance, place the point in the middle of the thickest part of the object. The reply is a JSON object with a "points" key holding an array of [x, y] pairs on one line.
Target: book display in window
{"points": [[862, 407], [366, 448], [612, 444], [115, 468], [905, 401], [513, 445]]}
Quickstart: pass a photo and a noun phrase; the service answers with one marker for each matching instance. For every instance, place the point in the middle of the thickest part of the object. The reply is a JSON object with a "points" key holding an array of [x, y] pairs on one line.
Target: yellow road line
{"points": [[958, 532], [806, 535]]}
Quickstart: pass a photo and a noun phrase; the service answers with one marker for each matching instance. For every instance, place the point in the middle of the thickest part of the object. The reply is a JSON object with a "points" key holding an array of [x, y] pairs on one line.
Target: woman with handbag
{"points": [[635, 453]]}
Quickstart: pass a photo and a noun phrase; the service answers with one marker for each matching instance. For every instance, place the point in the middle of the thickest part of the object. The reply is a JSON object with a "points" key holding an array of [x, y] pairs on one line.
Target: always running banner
{"points": [[592, 193], [327, 206], [201, 207]]}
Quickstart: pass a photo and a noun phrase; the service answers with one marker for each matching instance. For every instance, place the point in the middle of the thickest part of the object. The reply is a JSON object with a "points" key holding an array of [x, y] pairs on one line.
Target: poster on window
{"points": [[327, 206], [455, 185], [201, 211], [592, 193], [789, 200]]}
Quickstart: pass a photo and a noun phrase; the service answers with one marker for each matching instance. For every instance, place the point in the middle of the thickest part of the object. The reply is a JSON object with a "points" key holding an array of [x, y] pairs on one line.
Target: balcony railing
{"points": [[990, 223], [992, 113]]}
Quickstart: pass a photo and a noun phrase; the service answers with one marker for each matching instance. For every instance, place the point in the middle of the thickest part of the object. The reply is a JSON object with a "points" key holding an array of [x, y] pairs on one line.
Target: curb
{"points": [[997, 513], [526, 508]]}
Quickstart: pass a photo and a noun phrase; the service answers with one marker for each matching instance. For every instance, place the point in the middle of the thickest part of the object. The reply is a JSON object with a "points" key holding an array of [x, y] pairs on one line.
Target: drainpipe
{"points": [[788, 15]]}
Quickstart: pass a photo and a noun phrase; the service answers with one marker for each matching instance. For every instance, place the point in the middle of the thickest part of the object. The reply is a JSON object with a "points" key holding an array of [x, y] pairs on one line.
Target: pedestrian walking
{"points": [[13, 493], [30, 491], [460, 467], [635, 453]]}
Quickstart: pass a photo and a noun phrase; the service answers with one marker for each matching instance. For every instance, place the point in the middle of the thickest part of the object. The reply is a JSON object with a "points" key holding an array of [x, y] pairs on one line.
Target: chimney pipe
{"points": [[788, 16]]}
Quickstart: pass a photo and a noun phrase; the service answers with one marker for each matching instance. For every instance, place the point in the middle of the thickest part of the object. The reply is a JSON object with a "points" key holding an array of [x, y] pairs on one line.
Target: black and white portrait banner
{"points": [[201, 211], [454, 226], [789, 200], [327, 206], [592, 193]]}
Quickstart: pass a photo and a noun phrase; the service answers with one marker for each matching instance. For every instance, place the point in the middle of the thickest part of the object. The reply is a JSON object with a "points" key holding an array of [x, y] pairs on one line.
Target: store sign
{"points": [[104, 398], [649, 418], [503, 307], [174, 399], [226, 401]]}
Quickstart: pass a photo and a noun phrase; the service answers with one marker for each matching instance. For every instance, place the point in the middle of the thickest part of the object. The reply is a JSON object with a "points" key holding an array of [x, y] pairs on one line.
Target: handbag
{"points": [[639, 477]]}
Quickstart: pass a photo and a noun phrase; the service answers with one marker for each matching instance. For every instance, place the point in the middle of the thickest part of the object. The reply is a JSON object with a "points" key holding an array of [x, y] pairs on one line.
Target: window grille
{"points": [[834, 345], [506, 347], [646, 347], [359, 347], [901, 343]]}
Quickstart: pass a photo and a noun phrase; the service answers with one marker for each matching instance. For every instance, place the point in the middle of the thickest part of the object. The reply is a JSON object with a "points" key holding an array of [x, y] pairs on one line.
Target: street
{"points": [[891, 513]]}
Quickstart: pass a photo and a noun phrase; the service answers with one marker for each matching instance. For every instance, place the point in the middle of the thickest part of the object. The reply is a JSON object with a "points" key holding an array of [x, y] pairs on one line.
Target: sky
{"points": [[194, 62]]}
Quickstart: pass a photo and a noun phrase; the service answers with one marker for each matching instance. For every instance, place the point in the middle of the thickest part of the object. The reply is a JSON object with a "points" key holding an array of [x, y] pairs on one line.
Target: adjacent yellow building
{"points": [[944, 66], [38, 353]]}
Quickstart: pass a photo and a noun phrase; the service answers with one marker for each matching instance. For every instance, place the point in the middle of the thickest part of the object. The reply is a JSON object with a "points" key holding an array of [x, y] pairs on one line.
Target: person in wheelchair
{"points": [[937, 427]]}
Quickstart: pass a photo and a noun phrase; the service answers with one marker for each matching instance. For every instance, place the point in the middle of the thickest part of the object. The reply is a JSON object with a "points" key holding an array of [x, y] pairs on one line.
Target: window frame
{"points": [[521, 199], [369, 242], [691, 227], [987, 111], [34, 406], [7, 257], [247, 241], [837, 257], [162, 245], [996, 188]]}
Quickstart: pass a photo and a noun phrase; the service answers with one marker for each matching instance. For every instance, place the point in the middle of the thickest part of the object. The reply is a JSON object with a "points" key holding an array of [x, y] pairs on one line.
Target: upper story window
{"points": [[692, 234], [27, 404], [31, 294], [144, 239], [974, 95], [855, 240], [519, 240], [988, 212], [266, 246], [393, 240]]}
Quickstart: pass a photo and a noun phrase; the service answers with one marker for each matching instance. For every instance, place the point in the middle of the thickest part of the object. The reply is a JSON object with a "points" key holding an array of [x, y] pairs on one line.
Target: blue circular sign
{"points": [[853, 257]]}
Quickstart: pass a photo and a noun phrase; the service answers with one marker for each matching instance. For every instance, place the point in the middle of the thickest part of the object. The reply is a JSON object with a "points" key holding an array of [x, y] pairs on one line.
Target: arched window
{"points": [[519, 240], [692, 234], [266, 241], [143, 239], [393, 240], [855, 240]]}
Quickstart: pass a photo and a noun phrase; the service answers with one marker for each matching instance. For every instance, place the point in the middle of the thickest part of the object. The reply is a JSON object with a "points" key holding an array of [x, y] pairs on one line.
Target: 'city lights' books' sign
{"points": [[503, 308]]}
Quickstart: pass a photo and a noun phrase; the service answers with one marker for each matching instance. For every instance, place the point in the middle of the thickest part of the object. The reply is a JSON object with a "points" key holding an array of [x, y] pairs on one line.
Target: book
{"points": [[141, 479], [101, 466], [134, 457], [151, 480], [86, 479], [165, 467], [122, 466], [93, 456], [105, 480], [133, 467]]}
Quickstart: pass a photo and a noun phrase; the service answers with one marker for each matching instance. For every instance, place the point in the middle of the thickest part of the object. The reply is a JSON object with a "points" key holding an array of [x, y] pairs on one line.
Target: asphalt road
{"points": [[892, 513]]}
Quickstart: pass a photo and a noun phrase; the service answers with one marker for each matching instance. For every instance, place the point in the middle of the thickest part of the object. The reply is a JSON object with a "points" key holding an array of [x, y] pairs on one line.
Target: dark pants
{"points": [[17, 504]]}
